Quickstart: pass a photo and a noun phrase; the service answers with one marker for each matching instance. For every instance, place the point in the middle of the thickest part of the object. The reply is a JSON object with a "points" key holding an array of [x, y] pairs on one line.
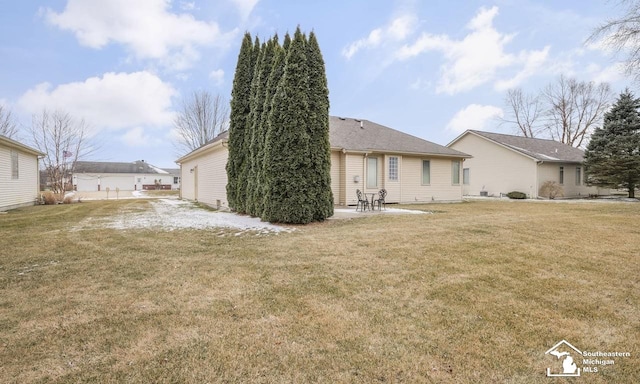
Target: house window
{"points": [[455, 172], [393, 168], [372, 172], [561, 175], [578, 176], [176, 180], [14, 165], [465, 176], [426, 172]]}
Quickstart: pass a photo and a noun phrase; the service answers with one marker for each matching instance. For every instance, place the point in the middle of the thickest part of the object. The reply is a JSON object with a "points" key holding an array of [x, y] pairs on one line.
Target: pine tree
{"points": [[318, 127], [245, 169], [251, 185], [612, 158], [275, 74], [240, 108], [287, 148]]}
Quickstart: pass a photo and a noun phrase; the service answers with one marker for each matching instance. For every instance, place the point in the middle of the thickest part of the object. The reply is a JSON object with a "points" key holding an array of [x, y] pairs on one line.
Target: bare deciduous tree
{"points": [[574, 108], [63, 140], [201, 118], [623, 36], [524, 111], [8, 126]]}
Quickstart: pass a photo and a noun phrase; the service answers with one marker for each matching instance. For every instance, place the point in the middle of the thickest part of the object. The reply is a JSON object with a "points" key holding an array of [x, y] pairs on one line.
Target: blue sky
{"points": [[428, 68]]}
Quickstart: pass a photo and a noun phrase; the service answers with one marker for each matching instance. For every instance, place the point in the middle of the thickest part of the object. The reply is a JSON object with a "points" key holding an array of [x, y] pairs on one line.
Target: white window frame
{"points": [[393, 168], [455, 172], [372, 172], [428, 174]]}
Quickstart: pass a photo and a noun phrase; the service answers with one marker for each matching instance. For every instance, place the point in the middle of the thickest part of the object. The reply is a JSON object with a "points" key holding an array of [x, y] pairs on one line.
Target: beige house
{"points": [[505, 163], [18, 174], [364, 155]]}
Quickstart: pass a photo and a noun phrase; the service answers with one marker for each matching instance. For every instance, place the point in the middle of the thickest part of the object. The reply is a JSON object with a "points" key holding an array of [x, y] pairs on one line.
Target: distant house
{"points": [[364, 155], [175, 172], [18, 174], [505, 163], [137, 175]]}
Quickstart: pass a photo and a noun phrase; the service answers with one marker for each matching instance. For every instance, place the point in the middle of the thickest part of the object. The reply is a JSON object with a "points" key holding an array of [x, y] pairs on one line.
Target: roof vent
{"points": [[556, 150], [341, 118], [361, 123]]}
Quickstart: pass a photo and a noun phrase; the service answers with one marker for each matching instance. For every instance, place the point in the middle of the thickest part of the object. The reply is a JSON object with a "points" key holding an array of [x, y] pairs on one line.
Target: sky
{"points": [[428, 68]]}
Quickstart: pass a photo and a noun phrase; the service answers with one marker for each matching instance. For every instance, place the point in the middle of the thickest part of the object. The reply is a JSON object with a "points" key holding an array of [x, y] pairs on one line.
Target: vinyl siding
{"points": [[208, 182], [551, 172], [354, 166], [496, 169], [23, 190], [440, 188], [335, 176]]}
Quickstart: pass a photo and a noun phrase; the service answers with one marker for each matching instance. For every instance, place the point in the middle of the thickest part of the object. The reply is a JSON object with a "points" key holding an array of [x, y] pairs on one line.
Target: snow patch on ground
{"points": [[173, 214]]}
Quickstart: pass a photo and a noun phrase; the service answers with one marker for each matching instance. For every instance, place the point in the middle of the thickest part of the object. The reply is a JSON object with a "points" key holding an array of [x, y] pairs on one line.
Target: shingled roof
{"points": [[108, 167], [539, 149], [364, 135]]}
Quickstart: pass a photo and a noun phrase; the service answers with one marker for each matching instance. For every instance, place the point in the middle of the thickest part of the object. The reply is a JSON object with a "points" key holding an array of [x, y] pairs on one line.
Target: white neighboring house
{"points": [[19, 175], [135, 176], [364, 155], [175, 172], [505, 163]]}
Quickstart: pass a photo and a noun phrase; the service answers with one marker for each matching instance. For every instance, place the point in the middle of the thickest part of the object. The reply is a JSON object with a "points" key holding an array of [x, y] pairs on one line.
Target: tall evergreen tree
{"points": [[287, 148], [251, 134], [245, 167], [240, 108], [275, 74], [612, 158], [318, 128]]}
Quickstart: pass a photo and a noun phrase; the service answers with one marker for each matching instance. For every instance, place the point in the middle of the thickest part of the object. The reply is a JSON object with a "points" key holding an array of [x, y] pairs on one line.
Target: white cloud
{"points": [[610, 74], [145, 27], [477, 58], [136, 137], [532, 61], [475, 117], [188, 5], [397, 30], [245, 7], [217, 76], [113, 101]]}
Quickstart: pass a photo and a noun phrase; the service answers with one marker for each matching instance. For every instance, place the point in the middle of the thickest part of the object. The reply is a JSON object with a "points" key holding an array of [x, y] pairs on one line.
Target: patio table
{"points": [[373, 196]]}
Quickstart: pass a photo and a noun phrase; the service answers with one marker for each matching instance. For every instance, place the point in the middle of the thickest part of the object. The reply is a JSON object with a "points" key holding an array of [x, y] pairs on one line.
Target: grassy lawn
{"points": [[475, 292]]}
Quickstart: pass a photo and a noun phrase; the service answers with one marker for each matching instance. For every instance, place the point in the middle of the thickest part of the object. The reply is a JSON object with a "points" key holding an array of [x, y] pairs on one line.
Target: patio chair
{"points": [[363, 203], [382, 194]]}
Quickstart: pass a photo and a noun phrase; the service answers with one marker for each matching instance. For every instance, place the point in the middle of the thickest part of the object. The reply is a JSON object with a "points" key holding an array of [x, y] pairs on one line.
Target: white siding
{"points": [[496, 169], [551, 172], [86, 182], [23, 190], [207, 183], [408, 188], [440, 188], [335, 176]]}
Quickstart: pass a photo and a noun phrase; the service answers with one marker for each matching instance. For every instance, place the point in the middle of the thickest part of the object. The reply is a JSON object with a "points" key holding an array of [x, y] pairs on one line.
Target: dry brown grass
{"points": [[476, 292]]}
